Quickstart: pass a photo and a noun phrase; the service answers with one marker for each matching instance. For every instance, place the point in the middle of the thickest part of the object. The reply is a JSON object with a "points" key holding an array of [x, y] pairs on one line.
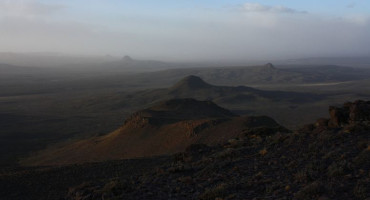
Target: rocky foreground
{"points": [[329, 159], [326, 160]]}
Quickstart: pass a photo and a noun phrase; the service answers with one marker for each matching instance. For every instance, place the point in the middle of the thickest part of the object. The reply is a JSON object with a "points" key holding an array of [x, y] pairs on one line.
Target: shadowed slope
{"points": [[195, 87], [190, 83], [164, 128], [181, 109]]}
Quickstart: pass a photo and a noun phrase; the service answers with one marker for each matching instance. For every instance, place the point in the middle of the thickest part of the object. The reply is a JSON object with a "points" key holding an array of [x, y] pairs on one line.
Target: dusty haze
{"points": [[187, 30]]}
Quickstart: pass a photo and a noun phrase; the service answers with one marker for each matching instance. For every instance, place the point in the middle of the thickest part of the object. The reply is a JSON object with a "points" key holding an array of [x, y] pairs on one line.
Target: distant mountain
{"points": [[260, 75], [281, 105], [342, 61], [190, 83], [85, 64], [127, 59], [195, 87], [165, 128]]}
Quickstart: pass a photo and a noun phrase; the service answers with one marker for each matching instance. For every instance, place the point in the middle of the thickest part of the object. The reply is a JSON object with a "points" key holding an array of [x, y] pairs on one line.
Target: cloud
{"points": [[256, 7], [27, 8]]}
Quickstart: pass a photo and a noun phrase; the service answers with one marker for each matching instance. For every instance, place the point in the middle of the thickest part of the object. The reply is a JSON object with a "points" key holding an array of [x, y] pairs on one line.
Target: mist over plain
{"points": [[182, 32]]}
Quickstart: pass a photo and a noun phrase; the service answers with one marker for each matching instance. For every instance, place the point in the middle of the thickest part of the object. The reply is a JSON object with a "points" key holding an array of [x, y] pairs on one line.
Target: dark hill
{"points": [[190, 83], [197, 88], [165, 128], [270, 66], [240, 99], [127, 59], [259, 75], [326, 160], [183, 109]]}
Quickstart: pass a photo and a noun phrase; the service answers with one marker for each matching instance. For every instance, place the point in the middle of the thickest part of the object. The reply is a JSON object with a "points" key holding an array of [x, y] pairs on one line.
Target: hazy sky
{"points": [[187, 29]]}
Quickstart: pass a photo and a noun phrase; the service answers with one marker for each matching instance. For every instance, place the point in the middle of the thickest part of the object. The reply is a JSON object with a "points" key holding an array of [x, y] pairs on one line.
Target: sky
{"points": [[188, 30]]}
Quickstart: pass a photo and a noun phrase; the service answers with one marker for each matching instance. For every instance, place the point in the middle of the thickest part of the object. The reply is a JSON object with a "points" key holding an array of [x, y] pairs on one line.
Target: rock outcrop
{"points": [[356, 113]]}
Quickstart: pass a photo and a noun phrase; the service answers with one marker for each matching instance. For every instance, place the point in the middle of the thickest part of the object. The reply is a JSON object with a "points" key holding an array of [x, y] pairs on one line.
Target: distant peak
{"points": [[270, 65], [127, 59], [192, 78], [191, 82]]}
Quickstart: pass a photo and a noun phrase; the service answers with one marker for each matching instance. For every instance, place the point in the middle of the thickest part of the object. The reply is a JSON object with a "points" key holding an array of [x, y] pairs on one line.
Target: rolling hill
{"points": [[327, 159], [165, 128], [258, 75], [281, 105], [195, 87], [80, 103]]}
